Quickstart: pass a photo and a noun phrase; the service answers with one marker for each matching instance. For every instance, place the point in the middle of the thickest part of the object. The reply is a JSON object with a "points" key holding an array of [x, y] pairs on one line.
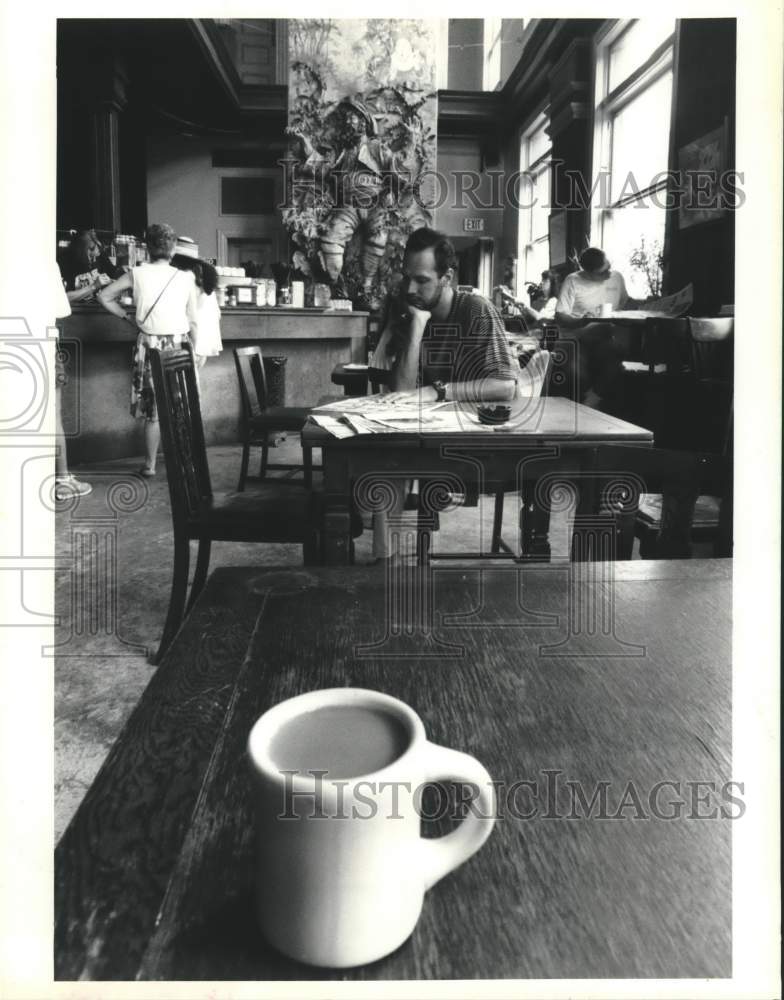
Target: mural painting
{"points": [[362, 125]]}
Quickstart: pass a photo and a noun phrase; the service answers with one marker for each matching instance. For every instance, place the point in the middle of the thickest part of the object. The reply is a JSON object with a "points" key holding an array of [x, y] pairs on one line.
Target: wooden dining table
{"points": [[547, 440], [598, 696]]}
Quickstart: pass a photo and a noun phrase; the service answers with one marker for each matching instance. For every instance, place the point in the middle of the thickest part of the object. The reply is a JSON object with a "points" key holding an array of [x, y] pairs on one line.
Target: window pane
{"points": [[538, 145], [635, 45], [640, 139], [537, 259], [492, 52], [541, 209], [629, 232]]}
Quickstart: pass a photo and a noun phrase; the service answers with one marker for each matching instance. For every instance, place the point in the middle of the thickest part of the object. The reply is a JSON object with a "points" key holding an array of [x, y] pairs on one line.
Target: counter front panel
{"points": [[96, 398]]}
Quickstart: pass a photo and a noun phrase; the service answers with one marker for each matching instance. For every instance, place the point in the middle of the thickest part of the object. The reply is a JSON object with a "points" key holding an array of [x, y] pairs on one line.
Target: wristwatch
{"points": [[440, 388]]}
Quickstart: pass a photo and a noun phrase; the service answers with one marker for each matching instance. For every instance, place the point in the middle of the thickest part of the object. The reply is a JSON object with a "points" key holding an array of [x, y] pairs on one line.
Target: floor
{"points": [[114, 556]]}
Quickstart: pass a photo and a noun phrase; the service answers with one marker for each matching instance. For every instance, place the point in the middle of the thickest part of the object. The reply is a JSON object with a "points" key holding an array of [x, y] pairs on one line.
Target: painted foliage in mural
{"points": [[362, 124]]}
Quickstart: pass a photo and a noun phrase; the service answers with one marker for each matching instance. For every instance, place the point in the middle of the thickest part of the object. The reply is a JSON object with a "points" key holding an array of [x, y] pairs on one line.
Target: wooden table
{"points": [[154, 874], [553, 437]]}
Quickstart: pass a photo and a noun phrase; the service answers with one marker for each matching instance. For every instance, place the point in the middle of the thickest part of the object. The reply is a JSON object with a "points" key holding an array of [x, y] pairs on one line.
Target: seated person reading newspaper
{"points": [[439, 344], [587, 296]]}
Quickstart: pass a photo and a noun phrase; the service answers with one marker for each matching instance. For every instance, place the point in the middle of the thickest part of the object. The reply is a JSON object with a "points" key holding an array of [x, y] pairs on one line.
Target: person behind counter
{"points": [[167, 311], [185, 258], [85, 266]]}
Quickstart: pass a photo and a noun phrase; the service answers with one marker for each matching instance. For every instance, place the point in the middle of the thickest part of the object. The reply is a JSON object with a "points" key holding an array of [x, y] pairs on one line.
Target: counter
{"points": [[96, 398]]}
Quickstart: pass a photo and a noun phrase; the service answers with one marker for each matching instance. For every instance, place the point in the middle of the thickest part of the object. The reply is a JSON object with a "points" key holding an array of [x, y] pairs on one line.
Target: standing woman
{"points": [[209, 343], [166, 313]]}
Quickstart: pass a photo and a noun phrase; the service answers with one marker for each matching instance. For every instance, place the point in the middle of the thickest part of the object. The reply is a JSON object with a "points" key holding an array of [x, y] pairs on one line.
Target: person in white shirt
{"points": [[587, 295], [167, 312], [66, 485], [186, 258]]}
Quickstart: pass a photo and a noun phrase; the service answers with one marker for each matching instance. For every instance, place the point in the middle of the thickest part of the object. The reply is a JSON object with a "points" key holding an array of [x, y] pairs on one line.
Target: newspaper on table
{"points": [[382, 413], [449, 421], [372, 415], [669, 307]]}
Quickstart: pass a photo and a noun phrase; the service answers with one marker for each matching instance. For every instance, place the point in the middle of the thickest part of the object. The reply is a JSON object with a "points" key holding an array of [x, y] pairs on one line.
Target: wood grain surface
{"points": [[155, 874], [546, 419], [114, 861]]}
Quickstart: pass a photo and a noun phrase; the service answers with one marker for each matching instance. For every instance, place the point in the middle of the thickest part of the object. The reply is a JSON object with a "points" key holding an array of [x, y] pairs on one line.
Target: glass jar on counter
{"points": [[321, 296]]}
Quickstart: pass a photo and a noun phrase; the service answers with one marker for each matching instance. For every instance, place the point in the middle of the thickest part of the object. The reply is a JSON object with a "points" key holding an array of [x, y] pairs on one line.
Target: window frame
{"points": [[608, 103], [491, 48], [543, 163]]}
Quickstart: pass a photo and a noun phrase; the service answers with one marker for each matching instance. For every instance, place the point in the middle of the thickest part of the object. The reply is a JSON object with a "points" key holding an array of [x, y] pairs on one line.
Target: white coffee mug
{"points": [[342, 868], [606, 309]]}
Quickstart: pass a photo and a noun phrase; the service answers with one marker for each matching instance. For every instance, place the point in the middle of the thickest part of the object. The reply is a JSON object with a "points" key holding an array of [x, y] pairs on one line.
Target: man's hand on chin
{"points": [[419, 316]]}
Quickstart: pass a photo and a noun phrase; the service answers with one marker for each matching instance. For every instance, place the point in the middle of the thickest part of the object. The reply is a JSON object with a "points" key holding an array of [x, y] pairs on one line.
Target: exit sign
{"points": [[474, 225]]}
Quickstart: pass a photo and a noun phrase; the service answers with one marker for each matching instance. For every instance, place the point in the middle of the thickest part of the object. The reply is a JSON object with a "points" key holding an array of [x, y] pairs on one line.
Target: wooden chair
{"points": [[701, 422], [279, 512], [711, 344], [680, 497], [259, 420], [537, 367]]}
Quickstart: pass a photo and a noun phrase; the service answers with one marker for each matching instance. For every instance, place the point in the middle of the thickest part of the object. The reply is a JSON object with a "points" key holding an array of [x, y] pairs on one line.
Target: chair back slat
{"points": [[182, 432], [711, 341], [253, 383]]}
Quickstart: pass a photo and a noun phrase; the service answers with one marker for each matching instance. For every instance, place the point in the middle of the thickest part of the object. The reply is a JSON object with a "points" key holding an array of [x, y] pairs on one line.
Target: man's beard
{"points": [[419, 303]]}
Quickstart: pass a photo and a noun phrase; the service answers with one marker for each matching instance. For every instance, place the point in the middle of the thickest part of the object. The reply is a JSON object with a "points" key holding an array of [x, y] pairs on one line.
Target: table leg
{"points": [[584, 539], [534, 526], [337, 536], [336, 531]]}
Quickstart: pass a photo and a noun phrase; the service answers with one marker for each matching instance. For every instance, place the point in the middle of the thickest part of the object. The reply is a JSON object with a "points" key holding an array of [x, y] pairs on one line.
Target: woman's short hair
{"points": [[594, 259], [161, 240], [442, 247]]}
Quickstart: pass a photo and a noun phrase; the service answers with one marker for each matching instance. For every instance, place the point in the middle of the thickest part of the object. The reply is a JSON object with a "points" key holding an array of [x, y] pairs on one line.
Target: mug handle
{"points": [[443, 854]]}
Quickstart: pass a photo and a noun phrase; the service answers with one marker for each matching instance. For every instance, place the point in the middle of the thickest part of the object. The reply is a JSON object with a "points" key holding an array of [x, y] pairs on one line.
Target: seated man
{"points": [[586, 295], [441, 344]]}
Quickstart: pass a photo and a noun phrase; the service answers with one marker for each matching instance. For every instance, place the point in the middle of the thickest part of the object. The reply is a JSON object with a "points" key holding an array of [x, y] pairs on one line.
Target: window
{"points": [[534, 196], [492, 53], [634, 71]]}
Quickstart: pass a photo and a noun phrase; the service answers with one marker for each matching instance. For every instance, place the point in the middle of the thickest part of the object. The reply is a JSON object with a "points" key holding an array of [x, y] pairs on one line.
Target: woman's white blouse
{"points": [[176, 311]]}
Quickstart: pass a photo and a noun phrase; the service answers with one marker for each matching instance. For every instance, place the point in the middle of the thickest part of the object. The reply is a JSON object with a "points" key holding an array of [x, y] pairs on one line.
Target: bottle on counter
{"points": [[121, 250]]}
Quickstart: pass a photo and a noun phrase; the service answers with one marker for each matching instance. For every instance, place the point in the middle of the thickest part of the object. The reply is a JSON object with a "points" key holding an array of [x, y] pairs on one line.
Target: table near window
{"points": [[154, 877]]}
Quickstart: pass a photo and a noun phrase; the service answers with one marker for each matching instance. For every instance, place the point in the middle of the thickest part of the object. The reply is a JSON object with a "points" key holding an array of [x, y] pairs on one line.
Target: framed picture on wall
{"points": [[700, 164]]}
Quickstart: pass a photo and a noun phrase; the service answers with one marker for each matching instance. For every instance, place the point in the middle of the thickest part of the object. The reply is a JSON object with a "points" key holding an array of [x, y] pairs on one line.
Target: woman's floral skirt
{"points": [[142, 391]]}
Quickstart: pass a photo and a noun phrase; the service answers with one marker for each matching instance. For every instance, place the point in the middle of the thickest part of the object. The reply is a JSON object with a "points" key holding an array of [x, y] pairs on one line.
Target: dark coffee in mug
{"points": [[345, 740]]}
